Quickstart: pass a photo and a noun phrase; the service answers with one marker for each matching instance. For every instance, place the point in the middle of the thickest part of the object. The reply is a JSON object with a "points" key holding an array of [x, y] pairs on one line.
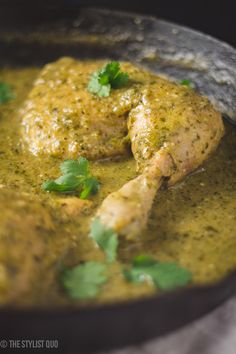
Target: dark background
{"points": [[217, 18]]}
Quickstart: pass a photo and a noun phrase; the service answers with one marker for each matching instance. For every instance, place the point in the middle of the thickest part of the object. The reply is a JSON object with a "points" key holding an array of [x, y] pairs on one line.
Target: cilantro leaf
{"points": [[116, 78], [75, 178], [164, 276], [106, 239], [77, 167], [90, 186], [120, 80], [112, 69], [103, 80], [104, 90], [96, 85], [170, 276], [188, 83], [65, 183], [143, 260], [5, 93], [84, 281]]}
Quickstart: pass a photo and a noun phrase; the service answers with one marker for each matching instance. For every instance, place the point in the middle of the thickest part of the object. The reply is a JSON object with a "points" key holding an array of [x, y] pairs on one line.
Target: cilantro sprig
{"points": [[75, 177], [84, 281], [107, 78], [164, 276], [187, 83], [106, 238], [6, 93]]}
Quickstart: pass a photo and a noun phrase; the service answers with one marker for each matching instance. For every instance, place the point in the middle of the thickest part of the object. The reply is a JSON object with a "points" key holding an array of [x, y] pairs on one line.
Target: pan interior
{"points": [[192, 223]]}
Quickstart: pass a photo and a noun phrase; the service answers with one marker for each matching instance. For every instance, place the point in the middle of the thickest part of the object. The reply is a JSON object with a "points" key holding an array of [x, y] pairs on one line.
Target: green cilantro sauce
{"points": [[193, 223]]}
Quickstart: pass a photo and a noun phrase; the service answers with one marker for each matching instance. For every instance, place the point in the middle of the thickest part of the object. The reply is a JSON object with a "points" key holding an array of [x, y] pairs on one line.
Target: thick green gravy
{"points": [[192, 223]]}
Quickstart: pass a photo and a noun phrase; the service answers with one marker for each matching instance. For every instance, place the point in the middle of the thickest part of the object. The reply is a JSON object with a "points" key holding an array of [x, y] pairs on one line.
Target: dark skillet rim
{"points": [[229, 281], [160, 19], [105, 327]]}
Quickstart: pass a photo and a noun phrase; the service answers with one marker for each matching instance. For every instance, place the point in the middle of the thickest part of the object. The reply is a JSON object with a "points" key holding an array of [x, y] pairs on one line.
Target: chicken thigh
{"points": [[61, 118]]}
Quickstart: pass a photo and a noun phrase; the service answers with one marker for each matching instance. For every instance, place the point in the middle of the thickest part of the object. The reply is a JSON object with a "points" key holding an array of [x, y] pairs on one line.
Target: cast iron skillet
{"points": [[165, 48]]}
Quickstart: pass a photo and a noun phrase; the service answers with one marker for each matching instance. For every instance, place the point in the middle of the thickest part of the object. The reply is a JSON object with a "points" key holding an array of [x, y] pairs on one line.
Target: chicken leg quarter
{"points": [[172, 131]]}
